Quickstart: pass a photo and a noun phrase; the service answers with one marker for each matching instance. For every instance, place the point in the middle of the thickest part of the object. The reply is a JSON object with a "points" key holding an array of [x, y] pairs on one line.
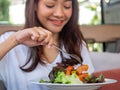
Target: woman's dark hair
{"points": [[70, 36]]}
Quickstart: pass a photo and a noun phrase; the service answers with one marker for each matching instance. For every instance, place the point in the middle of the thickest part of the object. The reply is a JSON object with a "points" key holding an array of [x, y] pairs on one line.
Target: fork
{"points": [[71, 55]]}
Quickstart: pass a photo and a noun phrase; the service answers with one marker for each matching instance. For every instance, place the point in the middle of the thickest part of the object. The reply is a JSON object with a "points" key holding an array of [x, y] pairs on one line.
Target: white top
{"points": [[15, 79]]}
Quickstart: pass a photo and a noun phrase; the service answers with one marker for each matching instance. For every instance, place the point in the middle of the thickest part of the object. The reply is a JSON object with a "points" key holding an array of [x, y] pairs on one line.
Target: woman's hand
{"points": [[34, 36]]}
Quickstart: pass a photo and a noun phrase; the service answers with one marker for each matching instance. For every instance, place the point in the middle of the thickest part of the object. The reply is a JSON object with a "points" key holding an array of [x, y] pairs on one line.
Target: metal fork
{"points": [[71, 55]]}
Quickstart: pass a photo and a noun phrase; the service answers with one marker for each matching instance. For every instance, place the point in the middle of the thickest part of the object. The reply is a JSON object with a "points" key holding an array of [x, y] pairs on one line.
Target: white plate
{"points": [[90, 86]]}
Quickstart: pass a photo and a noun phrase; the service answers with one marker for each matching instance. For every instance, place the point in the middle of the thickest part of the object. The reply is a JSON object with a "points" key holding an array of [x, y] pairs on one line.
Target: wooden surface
{"points": [[99, 33], [4, 28]]}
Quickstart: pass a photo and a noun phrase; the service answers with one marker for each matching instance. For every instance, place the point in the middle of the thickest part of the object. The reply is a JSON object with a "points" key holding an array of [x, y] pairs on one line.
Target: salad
{"points": [[72, 75]]}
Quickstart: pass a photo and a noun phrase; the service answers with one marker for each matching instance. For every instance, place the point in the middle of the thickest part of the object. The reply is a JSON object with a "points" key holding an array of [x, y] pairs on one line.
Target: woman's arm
{"points": [[6, 45], [31, 37]]}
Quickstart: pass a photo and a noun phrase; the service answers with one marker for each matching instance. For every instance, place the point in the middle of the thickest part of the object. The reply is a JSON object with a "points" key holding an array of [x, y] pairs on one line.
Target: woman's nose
{"points": [[59, 12]]}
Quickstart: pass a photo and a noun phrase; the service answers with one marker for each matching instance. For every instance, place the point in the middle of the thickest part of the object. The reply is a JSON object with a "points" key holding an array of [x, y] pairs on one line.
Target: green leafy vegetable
{"points": [[61, 77], [94, 79]]}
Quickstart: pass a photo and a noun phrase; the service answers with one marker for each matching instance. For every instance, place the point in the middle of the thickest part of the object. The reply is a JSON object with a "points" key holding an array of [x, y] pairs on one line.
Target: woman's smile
{"points": [[57, 22]]}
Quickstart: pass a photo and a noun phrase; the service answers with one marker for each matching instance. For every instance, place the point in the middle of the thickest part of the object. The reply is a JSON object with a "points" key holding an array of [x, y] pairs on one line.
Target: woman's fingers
{"points": [[42, 36], [48, 40], [35, 35]]}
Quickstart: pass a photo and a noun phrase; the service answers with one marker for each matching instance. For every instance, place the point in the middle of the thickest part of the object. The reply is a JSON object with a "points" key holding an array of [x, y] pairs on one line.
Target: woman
{"points": [[29, 54]]}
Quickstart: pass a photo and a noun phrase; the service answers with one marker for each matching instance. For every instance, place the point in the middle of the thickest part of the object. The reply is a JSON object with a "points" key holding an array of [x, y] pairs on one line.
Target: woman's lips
{"points": [[57, 22]]}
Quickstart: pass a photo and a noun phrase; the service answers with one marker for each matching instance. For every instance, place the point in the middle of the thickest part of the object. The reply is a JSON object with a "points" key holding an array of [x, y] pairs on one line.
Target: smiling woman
{"points": [[30, 51]]}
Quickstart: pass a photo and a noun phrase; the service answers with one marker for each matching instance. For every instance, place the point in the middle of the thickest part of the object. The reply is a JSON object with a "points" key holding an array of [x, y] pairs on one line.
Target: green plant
{"points": [[4, 10], [96, 18]]}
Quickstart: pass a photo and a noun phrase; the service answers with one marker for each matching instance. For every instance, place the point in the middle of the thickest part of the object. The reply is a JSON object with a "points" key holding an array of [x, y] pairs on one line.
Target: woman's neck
{"points": [[55, 36], [50, 54]]}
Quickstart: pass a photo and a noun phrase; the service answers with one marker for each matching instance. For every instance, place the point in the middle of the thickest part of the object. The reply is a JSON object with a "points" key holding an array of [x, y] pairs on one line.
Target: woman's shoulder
{"points": [[5, 35]]}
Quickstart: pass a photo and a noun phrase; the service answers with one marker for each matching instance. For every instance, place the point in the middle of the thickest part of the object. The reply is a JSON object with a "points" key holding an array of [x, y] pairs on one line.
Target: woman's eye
{"points": [[50, 6], [67, 7]]}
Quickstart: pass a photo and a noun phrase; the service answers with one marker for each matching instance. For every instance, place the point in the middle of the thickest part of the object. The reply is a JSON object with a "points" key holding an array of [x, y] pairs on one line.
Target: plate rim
{"points": [[107, 81]]}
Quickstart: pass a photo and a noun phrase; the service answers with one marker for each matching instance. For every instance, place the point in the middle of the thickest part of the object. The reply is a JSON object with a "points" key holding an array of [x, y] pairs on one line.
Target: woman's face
{"points": [[54, 14]]}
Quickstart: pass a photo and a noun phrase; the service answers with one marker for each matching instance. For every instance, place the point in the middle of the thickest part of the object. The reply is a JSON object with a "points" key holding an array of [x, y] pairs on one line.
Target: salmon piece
{"points": [[69, 70], [82, 68], [83, 76]]}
